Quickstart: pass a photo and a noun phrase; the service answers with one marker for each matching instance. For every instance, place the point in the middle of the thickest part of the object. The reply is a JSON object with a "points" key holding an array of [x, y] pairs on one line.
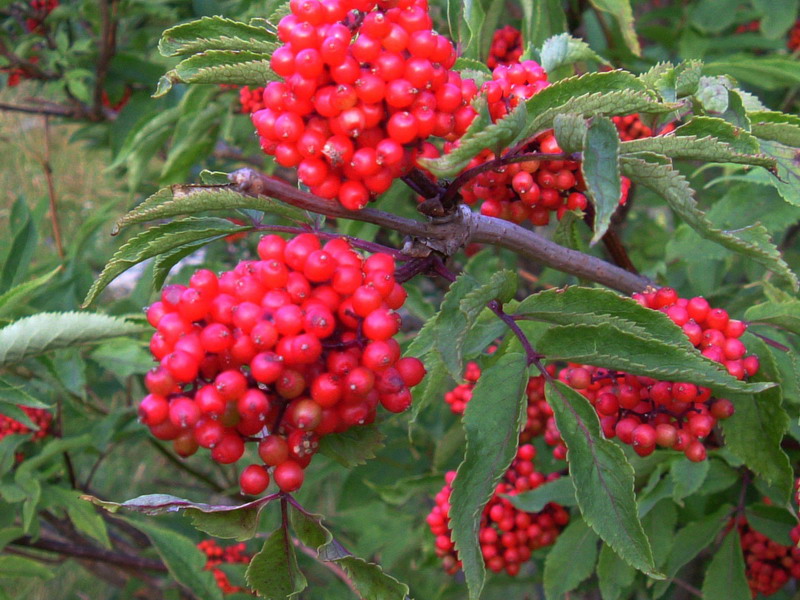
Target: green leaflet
{"points": [[273, 572], [239, 67], [215, 33], [622, 12], [571, 559], [600, 168], [353, 447], [691, 147], [563, 50], [725, 577], [603, 478], [491, 421], [783, 315]]}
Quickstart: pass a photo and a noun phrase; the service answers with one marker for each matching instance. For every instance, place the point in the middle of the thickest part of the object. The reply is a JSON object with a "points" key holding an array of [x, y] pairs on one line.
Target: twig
{"points": [[688, 587], [51, 189], [447, 235], [184, 467], [97, 554], [530, 354], [33, 110], [108, 45]]}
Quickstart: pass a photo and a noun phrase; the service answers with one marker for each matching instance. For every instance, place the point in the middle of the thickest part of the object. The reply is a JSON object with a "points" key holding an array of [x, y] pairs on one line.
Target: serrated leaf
{"points": [[774, 125], [19, 566], [17, 293], [659, 525], [725, 577], [468, 64], [564, 50], [753, 242], [614, 575], [44, 332], [603, 478], [215, 33], [571, 559], [432, 387], [600, 169], [736, 137], [192, 142], [157, 240], [147, 136], [353, 447], [192, 199], [491, 421], [607, 345], [783, 315], [163, 263], [183, 559], [687, 477], [561, 491], [402, 490], [240, 67], [756, 429], [691, 147], [662, 79], [450, 321], [481, 134], [576, 305], [224, 521], [712, 94], [8, 449], [18, 395], [12, 411], [570, 131], [622, 12], [273, 572]]}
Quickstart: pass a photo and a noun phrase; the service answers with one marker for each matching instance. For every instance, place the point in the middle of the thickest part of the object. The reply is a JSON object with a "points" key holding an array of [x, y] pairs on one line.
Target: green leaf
{"points": [[563, 50], [603, 478], [753, 242], [570, 560], [402, 490], [183, 559], [725, 577], [770, 72], [735, 137], [787, 181], [240, 67], [157, 240], [353, 447], [584, 305], [600, 169], [607, 345], [777, 16], [561, 491], [17, 293], [614, 575], [756, 429], [44, 332], [688, 543], [12, 411], [449, 320], [8, 449], [659, 525], [783, 315], [163, 263], [19, 566], [691, 147], [18, 395], [24, 238], [713, 16], [224, 521], [621, 11], [774, 125], [491, 421], [480, 134], [123, 357], [215, 33], [195, 136], [432, 387], [273, 572], [82, 514], [570, 132], [687, 477]]}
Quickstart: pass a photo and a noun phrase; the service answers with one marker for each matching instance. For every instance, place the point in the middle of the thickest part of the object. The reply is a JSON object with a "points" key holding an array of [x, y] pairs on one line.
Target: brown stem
{"points": [[612, 243], [36, 110], [184, 467], [108, 45], [449, 234], [31, 70], [51, 189], [91, 553], [332, 567]]}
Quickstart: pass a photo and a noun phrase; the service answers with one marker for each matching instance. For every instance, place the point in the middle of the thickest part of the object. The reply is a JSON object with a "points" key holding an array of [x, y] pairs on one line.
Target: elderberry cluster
{"points": [[40, 417], [251, 101], [279, 351], [217, 555], [506, 48], [646, 413], [770, 565], [631, 127], [365, 83], [540, 420]]}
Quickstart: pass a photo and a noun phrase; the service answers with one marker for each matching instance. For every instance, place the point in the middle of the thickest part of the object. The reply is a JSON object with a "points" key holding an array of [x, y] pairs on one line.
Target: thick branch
{"points": [[449, 234]]}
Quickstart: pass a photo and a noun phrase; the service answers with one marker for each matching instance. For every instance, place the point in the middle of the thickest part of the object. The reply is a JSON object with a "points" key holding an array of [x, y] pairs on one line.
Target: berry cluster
{"points": [[540, 420], [279, 351], [647, 413], [507, 535], [506, 48], [218, 555], [251, 101], [39, 416], [770, 565], [749, 27], [631, 127], [39, 9], [365, 83]]}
